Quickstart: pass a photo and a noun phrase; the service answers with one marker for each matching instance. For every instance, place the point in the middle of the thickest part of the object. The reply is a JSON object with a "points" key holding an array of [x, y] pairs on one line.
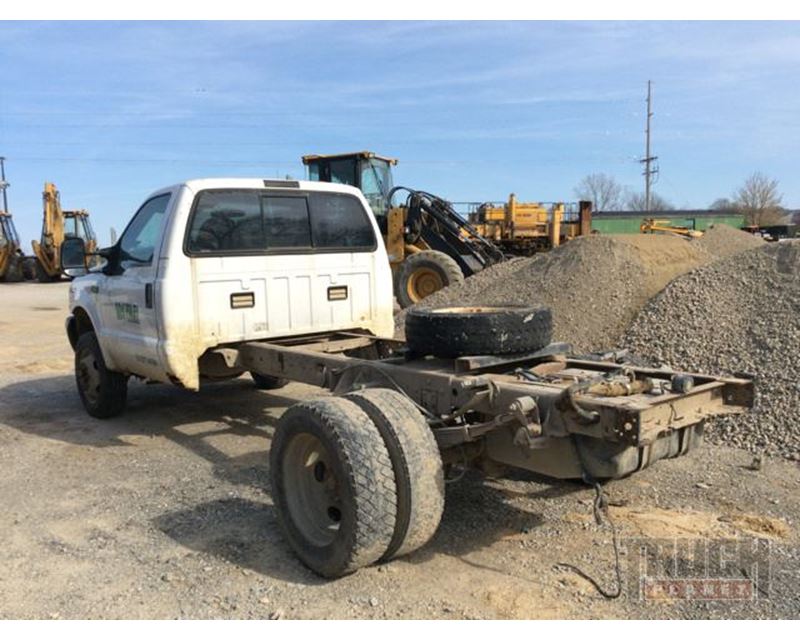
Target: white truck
{"points": [[290, 280]]}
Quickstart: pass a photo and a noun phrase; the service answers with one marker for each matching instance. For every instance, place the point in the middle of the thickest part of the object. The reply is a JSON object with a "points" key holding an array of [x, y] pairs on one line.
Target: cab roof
{"points": [[362, 155], [199, 184]]}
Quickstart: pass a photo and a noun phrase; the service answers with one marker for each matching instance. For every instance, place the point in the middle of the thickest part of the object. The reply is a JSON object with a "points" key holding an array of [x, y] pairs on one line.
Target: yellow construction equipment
{"points": [[651, 225], [56, 226], [524, 228], [11, 256], [430, 245]]}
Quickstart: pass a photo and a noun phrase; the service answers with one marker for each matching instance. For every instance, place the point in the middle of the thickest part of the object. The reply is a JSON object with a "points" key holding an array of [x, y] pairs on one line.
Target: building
{"points": [[628, 221]]}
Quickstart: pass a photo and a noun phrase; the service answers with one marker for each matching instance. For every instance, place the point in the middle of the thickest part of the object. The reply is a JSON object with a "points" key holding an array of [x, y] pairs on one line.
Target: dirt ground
{"points": [[166, 512]]}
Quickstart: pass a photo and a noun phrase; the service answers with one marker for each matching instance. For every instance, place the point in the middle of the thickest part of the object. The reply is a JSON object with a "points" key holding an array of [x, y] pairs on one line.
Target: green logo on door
{"points": [[126, 311]]}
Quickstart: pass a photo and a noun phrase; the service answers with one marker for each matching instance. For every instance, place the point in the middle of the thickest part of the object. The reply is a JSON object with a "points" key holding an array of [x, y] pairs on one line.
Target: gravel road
{"points": [[166, 512]]}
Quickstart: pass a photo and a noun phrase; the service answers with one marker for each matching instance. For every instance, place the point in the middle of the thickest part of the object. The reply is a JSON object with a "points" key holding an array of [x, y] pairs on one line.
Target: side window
{"points": [[339, 221], [286, 223], [138, 243], [226, 221]]}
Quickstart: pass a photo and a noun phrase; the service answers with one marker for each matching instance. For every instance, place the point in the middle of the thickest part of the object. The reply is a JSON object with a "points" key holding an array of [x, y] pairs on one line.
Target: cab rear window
{"points": [[248, 221]]}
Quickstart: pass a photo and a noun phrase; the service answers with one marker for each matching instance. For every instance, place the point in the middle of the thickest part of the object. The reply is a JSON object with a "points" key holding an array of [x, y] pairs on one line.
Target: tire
{"points": [[103, 392], [417, 465], [29, 268], [333, 486], [44, 277], [267, 382], [424, 273], [14, 270], [461, 331]]}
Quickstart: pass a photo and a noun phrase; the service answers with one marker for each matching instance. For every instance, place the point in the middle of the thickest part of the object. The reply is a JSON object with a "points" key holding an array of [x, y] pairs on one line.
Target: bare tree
{"points": [[758, 199], [637, 202], [723, 204], [602, 189]]}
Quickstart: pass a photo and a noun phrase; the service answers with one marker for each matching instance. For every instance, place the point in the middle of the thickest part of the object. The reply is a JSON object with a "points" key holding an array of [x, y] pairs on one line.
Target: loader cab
{"points": [[77, 225], [367, 171]]}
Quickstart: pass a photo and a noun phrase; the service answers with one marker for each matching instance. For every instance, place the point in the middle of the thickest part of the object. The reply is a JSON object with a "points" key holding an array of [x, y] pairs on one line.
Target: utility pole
{"points": [[648, 160], [3, 183]]}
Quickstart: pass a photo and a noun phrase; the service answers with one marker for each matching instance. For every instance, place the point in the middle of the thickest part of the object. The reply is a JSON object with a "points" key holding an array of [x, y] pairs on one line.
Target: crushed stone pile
{"points": [[595, 285], [722, 240], [738, 314]]}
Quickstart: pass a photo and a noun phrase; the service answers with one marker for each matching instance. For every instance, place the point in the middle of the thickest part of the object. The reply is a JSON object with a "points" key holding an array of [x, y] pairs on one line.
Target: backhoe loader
{"points": [[430, 245], [56, 226], [11, 257]]}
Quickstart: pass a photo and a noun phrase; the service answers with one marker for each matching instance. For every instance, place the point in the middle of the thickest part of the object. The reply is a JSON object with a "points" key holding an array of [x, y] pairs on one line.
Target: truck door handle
{"points": [[148, 295]]}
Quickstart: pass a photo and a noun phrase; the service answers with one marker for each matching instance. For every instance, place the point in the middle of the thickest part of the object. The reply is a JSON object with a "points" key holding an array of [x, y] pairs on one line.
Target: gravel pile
{"points": [[741, 313], [722, 240], [595, 285]]}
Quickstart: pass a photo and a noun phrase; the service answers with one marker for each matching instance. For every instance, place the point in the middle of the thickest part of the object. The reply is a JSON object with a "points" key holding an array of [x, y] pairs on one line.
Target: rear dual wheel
{"points": [[355, 479]]}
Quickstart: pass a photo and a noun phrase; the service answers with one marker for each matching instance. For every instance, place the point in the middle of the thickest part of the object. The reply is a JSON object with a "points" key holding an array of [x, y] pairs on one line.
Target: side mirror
{"points": [[73, 257]]}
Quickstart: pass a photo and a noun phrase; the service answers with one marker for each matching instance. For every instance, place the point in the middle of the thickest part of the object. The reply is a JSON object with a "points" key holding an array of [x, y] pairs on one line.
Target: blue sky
{"points": [[112, 111]]}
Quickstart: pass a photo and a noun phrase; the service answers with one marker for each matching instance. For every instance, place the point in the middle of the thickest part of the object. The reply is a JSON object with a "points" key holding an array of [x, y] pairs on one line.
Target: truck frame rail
{"points": [[545, 411]]}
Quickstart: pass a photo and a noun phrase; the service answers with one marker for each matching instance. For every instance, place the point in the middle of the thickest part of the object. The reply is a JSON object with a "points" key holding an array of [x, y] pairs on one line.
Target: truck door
{"points": [[129, 317]]}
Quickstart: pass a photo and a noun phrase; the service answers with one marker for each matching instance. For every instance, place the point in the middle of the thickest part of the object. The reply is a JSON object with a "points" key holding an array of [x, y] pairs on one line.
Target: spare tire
{"points": [[451, 332]]}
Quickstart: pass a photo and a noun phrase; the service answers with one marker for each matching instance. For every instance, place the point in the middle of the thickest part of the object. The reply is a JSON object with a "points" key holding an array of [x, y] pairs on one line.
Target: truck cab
{"points": [[216, 262]]}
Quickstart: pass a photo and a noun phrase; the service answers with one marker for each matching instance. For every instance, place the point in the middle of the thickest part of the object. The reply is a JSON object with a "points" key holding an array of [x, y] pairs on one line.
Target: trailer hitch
{"points": [[526, 412]]}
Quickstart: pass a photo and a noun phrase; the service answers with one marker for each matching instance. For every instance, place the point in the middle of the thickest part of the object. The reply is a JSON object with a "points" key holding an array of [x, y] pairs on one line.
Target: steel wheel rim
{"points": [[423, 282], [89, 377], [311, 488]]}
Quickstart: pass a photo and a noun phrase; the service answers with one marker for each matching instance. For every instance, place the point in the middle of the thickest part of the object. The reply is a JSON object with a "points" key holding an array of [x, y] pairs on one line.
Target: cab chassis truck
{"points": [[288, 280]]}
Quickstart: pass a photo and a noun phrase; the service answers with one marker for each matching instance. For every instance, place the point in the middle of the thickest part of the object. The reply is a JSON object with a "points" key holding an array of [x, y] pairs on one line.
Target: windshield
{"points": [[376, 183]]}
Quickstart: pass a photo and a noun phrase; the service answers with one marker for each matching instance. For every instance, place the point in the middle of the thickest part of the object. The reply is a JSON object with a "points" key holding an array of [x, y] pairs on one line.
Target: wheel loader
{"points": [[57, 225], [430, 245]]}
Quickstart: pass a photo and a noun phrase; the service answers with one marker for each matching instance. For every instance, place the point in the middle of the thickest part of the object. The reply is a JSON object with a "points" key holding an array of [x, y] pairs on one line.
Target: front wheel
{"points": [[424, 273], [103, 392]]}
